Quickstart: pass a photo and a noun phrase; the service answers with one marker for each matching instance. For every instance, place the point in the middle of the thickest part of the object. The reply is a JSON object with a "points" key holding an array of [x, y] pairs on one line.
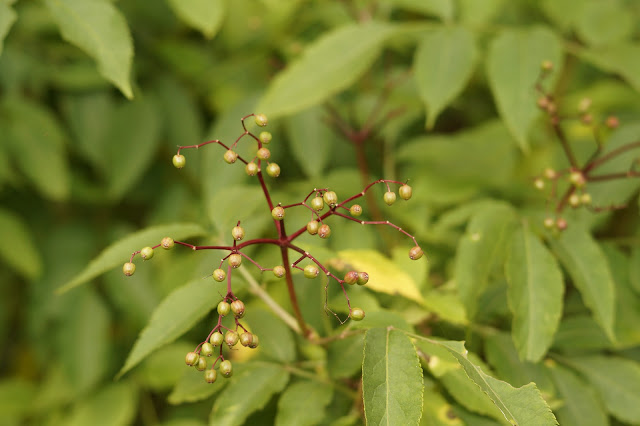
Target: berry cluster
{"points": [[322, 204], [573, 192]]}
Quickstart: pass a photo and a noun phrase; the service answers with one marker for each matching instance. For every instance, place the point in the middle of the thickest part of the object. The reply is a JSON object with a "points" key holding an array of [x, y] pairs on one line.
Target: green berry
{"points": [[538, 184], [191, 359], [255, 342], [549, 223], [264, 153], [235, 260], [219, 275], [265, 137], [550, 173], [310, 271], [167, 243], [216, 339], [261, 120], [389, 197], [317, 203], [206, 349], [273, 170], [415, 253], [226, 369], [574, 200], [146, 253], [201, 365], [357, 314], [577, 179], [230, 156], [231, 338], [363, 278], [312, 227], [405, 192], [224, 308], [351, 277], [324, 231], [585, 199], [246, 339], [128, 269], [279, 271], [278, 213], [355, 210], [179, 161], [210, 376], [251, 169], [237, 233], [546, 65], [331, 198], [237, 307]]}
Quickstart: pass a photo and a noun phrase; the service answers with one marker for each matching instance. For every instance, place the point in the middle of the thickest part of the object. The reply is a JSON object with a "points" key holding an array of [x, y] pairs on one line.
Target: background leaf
{"points": [[22, 254], [308, 397], [203, 15], [114, 405], [310, 138], [7, 18]]}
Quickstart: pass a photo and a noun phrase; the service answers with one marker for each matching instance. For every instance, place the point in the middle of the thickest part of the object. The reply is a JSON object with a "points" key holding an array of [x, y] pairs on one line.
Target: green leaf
{"points": [[579, 334], [159, 371], [98, 28], [391, 378], [619, 58], [604, 23], [118, 253], [203, 15], [443, 64], [582, 407], [586, 264], [513, 66], [16, 398], [248, 392], [276, 339], [443, 9], [7, 18], [617, 381], [482, 246], [344, 357], [192, 387], [176, 314], [310, 140], [320, 73], [303, 404], [477, 13], [634, 269], [114, 405], [535, 294], [21, 254]]}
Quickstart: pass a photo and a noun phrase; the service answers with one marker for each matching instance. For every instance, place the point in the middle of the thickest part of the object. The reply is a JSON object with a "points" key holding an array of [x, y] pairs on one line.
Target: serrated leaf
{"points": [[98, 28], [320, 73], [21, 254], [308, 397], [586, 264], [192, 387], [113, 405], [535, 294], [443, 64], [176, 314], [581, 407], [248, 392], [384, 275], [479, 249], [7, 18], [310, 137], [513, 65], [203, 15], [276, 339], [118, 253], [391, 378], [617, 381]]}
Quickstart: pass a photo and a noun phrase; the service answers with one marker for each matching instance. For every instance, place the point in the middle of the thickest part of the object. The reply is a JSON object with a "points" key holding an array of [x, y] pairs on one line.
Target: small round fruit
{"points": [[584, 105], [219, 275], [230, 156], [331, 198], [167, 243], [224, 308], [612, 122], [146, 253], [179, 161], [310, 271], [313, 226], [251, 169], [317, 203], [538, 184], [389, 197], [226, 369], [202, 364], [278, 213], [357, 314], [561, 223], [246, 339], [191, 359], [128, 269], [265, 137], [577, 179], [264, 153], [324, 231], [355, 210], [415, 253], [255, 342], [405, 192], [585, 199], [586, 119], [210, 376], [273, 170], [363, 278], [206, 349], [237, 307], [546, 65], [549, 223], [543, 102], [216, 339], [231, 338], [237, 233], [351, 277], [279, 271], [261, 120], [550, 174], [235, 260], [574, 200]]}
